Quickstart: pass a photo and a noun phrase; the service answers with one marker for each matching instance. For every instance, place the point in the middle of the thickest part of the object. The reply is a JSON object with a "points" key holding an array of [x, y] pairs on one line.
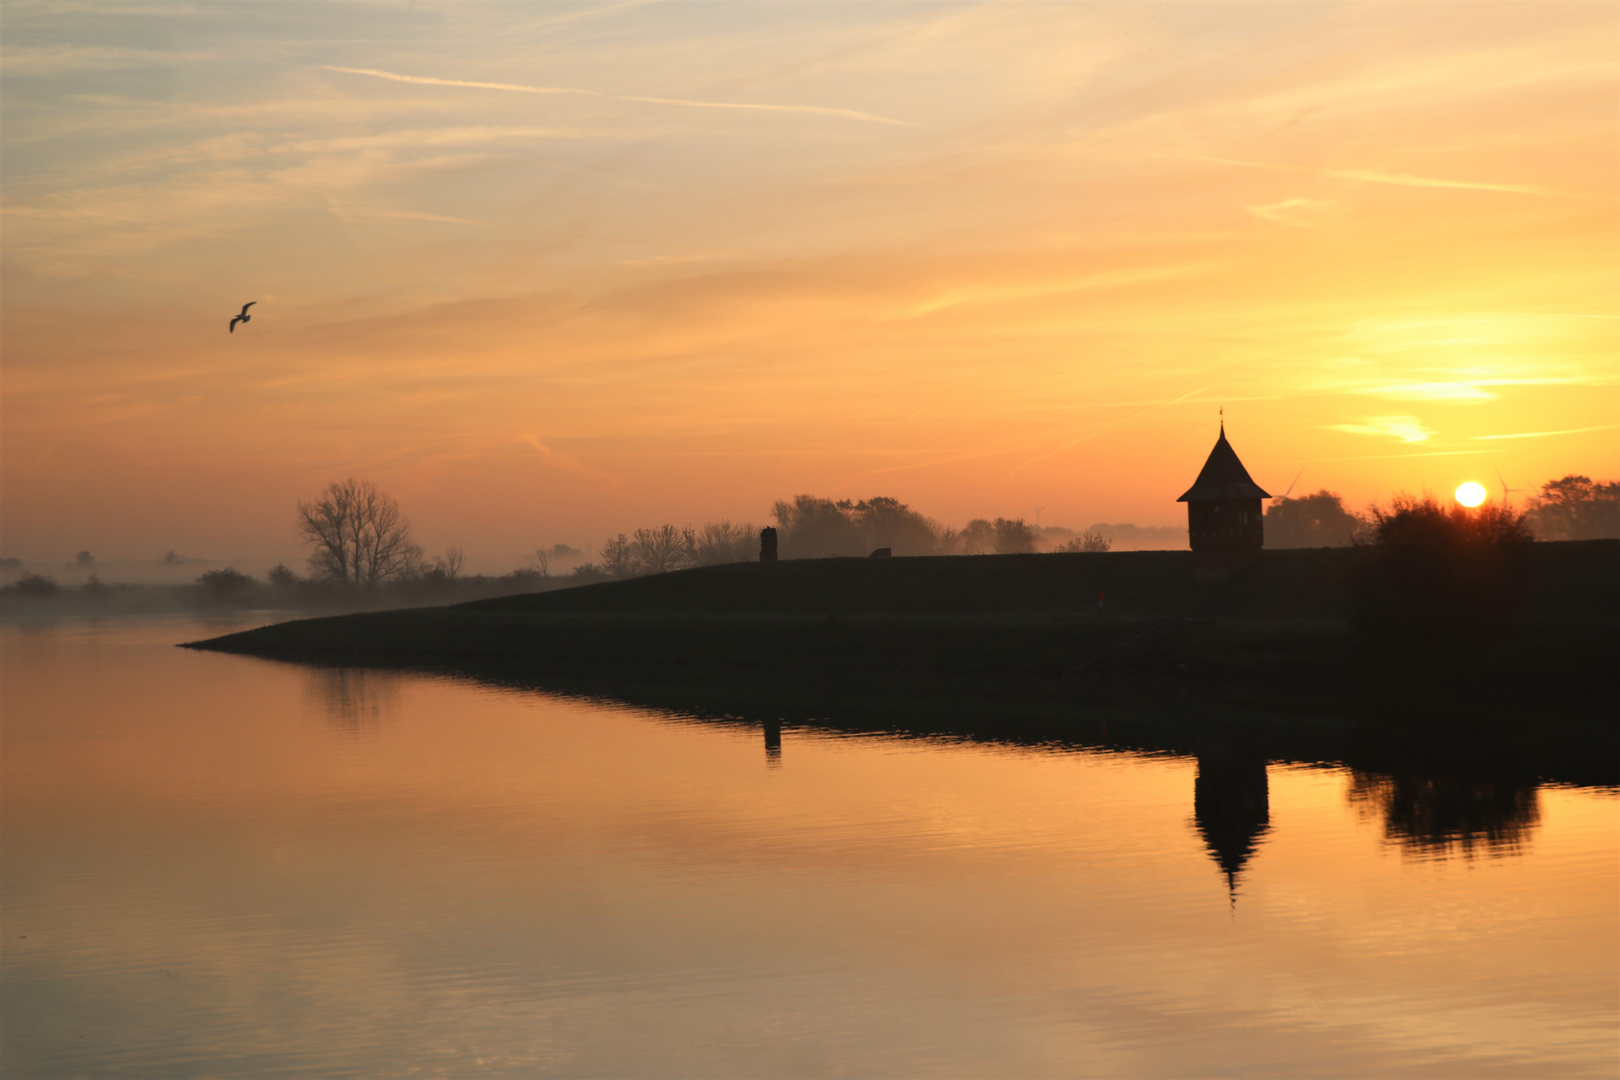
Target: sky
{"points": [[550, 272]]}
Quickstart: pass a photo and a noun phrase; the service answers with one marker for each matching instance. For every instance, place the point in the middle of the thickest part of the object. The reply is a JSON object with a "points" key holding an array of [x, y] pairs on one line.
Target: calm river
{"points": [[215, 865]]}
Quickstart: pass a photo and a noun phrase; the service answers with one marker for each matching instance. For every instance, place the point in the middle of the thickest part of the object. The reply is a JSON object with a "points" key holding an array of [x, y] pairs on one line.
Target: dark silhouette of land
{"points": [[1016, 647]]}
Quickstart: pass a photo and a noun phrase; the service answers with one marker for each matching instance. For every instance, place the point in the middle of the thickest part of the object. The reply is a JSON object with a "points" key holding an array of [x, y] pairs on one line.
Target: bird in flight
{"points": [[244, 317]]}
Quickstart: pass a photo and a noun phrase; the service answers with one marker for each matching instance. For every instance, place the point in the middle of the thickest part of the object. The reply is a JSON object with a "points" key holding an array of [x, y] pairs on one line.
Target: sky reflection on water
{"points": [[218, 865]]}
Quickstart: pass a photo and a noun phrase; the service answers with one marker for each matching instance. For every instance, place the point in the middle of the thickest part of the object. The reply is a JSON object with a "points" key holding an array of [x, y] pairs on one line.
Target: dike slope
{"points": [[1011, 631]]}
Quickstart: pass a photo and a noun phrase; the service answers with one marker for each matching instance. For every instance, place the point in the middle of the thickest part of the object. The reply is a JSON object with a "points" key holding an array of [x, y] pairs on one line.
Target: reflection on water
{"points": [[197, 880], [1439, 815], [773, 743], [352, 699], [1231, 805]]}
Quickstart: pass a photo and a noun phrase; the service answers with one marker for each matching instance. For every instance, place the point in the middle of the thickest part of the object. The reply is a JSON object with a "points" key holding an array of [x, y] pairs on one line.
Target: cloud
{"points": [[562, 462], [517, 88], [1376, 176], [1298, 212], [1545, 434], [1405, 428]]}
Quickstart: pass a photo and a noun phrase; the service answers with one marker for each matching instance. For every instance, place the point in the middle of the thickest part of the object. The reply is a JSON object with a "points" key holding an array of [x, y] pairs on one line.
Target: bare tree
{"points": [[666, 548], [357, 535], [723, 542], [450, 563], [618, 559]]}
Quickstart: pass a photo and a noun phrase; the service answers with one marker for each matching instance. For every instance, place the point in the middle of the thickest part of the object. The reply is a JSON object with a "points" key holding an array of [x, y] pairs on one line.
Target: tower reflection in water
{"points": [[1426, 814], [1231, 805]]}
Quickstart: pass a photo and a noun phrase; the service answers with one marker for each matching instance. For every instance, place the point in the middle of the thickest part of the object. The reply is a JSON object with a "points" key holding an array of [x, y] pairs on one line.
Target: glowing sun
{"points": [[1470, 494]]}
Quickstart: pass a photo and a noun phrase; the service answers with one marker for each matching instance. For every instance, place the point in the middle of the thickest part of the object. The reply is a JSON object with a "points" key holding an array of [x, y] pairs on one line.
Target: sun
{"points": [[1470, 494]]}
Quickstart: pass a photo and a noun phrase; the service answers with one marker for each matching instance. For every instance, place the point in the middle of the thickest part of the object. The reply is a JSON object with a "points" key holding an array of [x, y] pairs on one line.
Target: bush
{"points": [[31, 585], [1089, 541], [1438, 571]]}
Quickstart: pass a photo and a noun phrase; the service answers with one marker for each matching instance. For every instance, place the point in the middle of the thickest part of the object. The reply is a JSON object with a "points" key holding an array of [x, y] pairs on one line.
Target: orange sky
{"points": [[548, 273]]}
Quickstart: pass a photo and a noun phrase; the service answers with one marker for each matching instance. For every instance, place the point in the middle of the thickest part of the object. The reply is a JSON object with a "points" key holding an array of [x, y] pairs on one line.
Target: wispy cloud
{"points": [[1405, 428], [1377, 176], [517, 88], [1546, 434], [1298, 212]]}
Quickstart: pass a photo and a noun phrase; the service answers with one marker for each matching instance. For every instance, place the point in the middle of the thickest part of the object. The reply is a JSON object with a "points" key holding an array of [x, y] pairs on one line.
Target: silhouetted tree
{"points": [[1576, 508], [31, 584], [618, 559], [1438, 570], [449, 564], [84, 558], [1014, 536], [886, 522], [722, 542], [226, 582], [357, 535], [978, 537], [660, 550], [1318, 520], [815, 528], [281, 577]]}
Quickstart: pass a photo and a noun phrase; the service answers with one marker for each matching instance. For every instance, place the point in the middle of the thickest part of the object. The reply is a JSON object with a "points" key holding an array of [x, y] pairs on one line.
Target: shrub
{"points": [[31, 585], [1439, 571]]}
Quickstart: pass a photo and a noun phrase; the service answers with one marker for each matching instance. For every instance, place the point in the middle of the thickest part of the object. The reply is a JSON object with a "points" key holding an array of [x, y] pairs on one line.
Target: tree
{"points": [[281, 577], [1318, 520], [722, 542], [889, 523], [618, 559], [1014, 537], [815, 528], [357, 535], [660, 550], [1575, 508]]}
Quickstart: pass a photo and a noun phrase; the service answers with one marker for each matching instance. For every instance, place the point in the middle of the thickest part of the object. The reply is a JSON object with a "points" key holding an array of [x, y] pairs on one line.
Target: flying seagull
{"points": [[244, 317]]}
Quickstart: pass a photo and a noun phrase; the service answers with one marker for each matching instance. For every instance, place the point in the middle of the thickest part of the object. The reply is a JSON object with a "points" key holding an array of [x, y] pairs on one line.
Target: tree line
{"points": [[359, 540], [1572, 508]]}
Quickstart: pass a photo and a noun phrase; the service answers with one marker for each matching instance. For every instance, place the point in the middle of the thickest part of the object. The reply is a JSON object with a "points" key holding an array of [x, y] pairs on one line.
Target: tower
{"points": [[1224, 520]]}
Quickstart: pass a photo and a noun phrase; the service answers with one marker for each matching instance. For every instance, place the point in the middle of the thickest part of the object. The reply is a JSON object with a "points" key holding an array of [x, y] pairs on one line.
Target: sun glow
{"points": [[1470, 494]]}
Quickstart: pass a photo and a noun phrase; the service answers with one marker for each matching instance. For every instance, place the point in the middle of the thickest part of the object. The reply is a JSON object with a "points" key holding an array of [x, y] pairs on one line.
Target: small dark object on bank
{"points": [[881, 553]]}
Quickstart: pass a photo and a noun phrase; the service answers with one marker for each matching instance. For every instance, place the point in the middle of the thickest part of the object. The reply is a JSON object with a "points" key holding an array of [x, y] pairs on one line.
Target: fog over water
{"points": [[218, 865]]}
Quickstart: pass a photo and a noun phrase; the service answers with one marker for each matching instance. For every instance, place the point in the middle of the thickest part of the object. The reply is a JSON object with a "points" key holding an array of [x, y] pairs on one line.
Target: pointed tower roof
{"points": [[1223, 477]]}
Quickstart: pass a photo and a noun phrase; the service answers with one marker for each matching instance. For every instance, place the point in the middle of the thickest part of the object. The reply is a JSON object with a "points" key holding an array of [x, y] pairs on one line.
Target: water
{"points": [[216, 865]]}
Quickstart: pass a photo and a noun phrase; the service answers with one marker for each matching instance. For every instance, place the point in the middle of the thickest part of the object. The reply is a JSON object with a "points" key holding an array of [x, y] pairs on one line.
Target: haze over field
{"points": [[550, 273]]}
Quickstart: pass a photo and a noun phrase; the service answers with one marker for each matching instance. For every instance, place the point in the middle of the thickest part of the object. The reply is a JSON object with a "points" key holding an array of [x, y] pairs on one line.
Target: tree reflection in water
{"points": [[1434, 815], [352, 699]]}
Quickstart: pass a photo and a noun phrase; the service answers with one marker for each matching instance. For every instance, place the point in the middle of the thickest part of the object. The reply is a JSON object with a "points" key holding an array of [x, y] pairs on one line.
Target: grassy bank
{"points": [[1043, 644]]}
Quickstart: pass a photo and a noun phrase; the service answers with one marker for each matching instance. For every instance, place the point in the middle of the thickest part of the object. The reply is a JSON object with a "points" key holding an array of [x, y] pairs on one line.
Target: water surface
{"points": [[216, 865]]}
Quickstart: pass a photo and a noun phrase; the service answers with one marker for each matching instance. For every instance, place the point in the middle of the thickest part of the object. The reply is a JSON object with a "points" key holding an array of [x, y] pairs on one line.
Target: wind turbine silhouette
{"points": [[1038, 510], [1505, 488]]}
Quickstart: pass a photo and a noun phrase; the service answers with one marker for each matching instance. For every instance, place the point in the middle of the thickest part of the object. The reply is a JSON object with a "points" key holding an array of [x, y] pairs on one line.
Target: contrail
{"points": [[517, 88], [1373, 176]]}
